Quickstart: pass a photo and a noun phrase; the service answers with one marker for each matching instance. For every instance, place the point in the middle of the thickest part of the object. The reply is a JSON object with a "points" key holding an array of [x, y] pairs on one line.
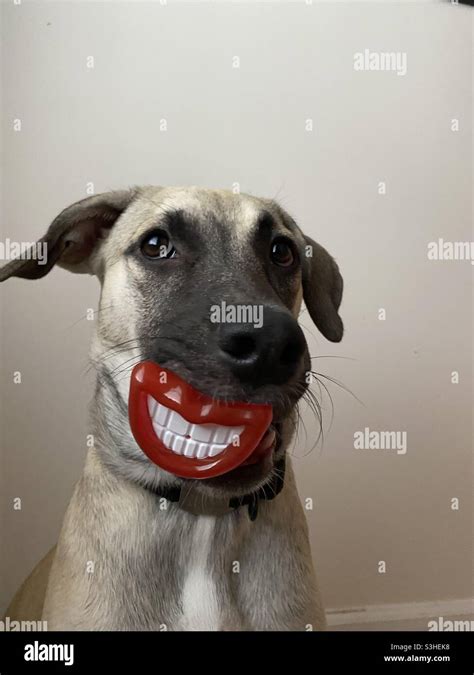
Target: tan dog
{"points": [[141, 548]]}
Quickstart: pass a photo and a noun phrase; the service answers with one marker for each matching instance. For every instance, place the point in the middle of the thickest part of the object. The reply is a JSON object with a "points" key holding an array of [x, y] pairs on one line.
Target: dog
{"points": [[141, 548]]}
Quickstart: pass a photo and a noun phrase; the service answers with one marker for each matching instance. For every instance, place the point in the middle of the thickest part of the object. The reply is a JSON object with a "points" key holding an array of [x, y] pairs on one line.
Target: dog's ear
{"points": [[72, 236], [322, 290]]}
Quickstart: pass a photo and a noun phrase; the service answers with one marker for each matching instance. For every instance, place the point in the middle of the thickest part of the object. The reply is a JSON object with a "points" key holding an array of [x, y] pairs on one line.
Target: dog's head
{"points": [[208, 284]]}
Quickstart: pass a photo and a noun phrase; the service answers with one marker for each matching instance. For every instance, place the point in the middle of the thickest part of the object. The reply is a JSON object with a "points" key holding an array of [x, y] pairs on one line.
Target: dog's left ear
{"points": [[72, 236], [322, 290]]}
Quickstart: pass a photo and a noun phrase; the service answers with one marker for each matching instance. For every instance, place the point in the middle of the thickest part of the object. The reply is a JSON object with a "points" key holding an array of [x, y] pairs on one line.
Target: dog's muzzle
{"points": [[190, 434]]}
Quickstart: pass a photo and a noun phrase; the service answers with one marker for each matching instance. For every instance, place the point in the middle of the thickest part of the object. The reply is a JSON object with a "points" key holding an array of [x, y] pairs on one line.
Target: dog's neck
{"points": [[197, 505], [117, 448]]}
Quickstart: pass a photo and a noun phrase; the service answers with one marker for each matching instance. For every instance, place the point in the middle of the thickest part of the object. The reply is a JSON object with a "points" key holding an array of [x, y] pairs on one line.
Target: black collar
{"points": [[269, 491]]}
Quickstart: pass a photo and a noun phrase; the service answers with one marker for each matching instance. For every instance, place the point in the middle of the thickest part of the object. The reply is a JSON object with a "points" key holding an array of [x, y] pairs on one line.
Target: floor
{"points": [[414, 624]]}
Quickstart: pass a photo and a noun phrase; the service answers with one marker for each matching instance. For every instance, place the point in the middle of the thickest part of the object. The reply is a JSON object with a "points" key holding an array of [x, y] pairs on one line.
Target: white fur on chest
{"points": [[200, 603]]}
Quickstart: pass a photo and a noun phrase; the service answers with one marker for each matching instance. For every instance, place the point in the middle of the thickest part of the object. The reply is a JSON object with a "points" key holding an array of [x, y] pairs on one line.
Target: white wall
{"points": [[247, 125]]}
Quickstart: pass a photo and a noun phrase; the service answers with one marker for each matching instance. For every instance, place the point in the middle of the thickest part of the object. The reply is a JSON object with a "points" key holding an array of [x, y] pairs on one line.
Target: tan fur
{"points": [[118, 527]]}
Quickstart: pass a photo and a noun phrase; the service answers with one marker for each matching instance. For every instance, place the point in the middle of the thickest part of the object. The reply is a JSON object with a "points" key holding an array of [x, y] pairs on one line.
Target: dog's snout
{"points": [[240, 344], [269, 354]]}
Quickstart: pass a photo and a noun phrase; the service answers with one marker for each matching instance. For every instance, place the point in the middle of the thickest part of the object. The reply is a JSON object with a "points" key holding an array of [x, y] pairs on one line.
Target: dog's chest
{"points": [[200, 602], [206, 598], [174, 571]]}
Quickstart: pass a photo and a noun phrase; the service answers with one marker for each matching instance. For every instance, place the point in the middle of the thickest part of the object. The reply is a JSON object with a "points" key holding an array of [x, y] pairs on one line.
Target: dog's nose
{"points": [[269, 354]]}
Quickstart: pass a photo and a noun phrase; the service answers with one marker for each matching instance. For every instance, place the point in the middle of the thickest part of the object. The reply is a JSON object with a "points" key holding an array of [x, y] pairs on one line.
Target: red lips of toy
{"points": [[200, 437]]}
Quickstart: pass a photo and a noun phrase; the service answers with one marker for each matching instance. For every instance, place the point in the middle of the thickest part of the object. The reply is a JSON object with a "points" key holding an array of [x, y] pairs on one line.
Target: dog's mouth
{"points": [[190, 434]]}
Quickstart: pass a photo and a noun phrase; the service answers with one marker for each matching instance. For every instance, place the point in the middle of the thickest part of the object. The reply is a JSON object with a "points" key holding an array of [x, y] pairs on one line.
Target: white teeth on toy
{"points": [[159, 431], [178, 445], [191, 440], [222, 434], [190, 448], [216, 450], [178, 424], [160, 414], [201, 451], [168, 438], [152, 406], [202, 432]]}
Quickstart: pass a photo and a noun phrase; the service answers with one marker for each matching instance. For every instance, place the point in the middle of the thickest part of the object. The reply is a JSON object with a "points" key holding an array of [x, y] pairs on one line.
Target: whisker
{"points": [[96, 311], [339, 384]]}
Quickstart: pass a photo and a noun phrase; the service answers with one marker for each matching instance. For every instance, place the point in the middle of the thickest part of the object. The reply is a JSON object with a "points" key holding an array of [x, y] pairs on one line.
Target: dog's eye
{"points": [[282, 252], [157, 245]]}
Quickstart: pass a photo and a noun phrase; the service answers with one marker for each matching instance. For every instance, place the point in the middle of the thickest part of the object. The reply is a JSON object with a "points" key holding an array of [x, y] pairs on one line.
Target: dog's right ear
{"points": [[72, 236]]}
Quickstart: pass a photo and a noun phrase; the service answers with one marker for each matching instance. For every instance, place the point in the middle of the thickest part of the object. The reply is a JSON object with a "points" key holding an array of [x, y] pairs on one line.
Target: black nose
{"points": [[269, 354]]}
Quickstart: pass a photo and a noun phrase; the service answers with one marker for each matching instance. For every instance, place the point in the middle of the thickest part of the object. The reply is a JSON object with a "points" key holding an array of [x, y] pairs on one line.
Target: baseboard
{"points": [[400, 612]]}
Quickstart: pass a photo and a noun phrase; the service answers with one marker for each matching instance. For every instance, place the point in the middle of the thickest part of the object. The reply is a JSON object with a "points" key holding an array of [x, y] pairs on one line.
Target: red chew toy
{"points": [[188, 433]]}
